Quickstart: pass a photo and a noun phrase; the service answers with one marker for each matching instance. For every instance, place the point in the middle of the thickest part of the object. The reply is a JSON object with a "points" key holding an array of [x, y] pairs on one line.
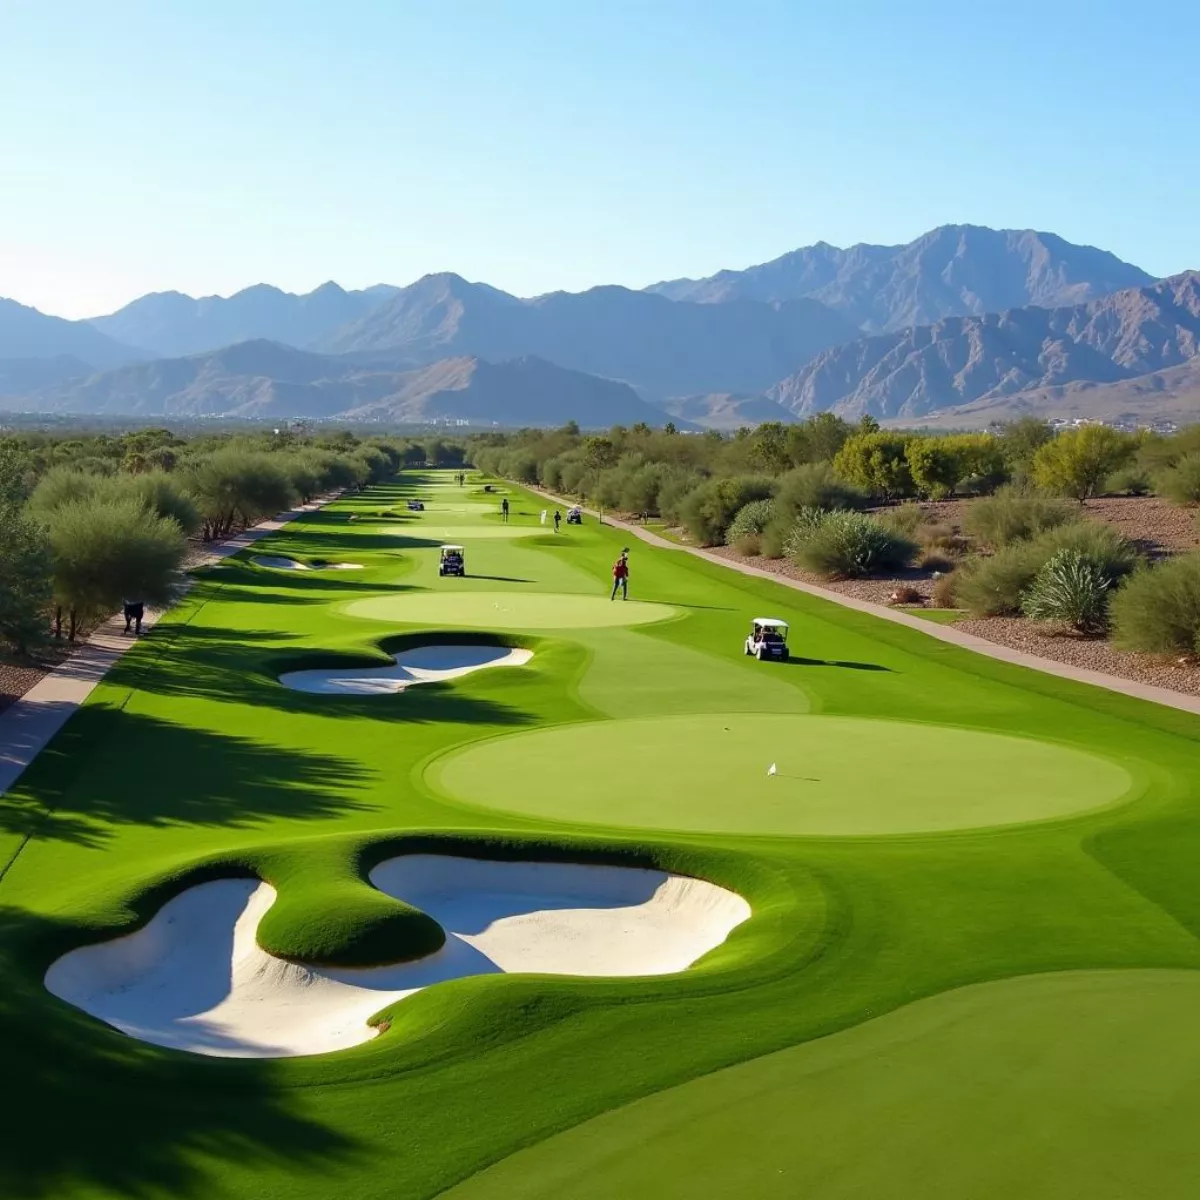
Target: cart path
{"points": [[945, 633], [28, 724]]}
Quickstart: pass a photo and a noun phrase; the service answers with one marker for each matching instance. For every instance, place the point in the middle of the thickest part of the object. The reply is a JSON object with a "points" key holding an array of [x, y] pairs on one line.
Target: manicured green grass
{"points": [[1018, 1088], [834, 775], [940, 616], [192, 761]]}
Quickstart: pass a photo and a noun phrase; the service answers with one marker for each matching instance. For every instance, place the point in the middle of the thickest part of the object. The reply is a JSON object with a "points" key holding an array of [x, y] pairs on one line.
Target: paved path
{"points": [[945, 633], [27, 725]]}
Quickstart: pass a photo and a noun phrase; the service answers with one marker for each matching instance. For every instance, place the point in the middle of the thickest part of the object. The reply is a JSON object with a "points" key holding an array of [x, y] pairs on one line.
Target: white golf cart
{"points": [[453, 561], [768, 639]]}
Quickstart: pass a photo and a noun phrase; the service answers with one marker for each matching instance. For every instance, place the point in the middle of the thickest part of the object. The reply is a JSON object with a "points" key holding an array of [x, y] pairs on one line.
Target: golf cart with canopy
{"points": [[453, 561], [768, 639], [575, 515]]}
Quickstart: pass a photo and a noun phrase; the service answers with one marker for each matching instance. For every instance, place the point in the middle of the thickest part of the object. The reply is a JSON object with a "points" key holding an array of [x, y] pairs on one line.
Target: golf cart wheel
{"points": [[783, 655]]}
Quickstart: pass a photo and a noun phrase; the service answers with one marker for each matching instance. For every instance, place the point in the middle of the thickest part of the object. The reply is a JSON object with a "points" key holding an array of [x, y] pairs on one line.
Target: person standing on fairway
{"points": [[504, 509], [557, 520], [621, 575]]}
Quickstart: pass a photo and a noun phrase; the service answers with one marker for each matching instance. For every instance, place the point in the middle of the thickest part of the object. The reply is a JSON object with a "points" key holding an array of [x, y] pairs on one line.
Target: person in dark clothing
{"points": [[504, 509], [134, 611], [621, 576], [557, 520]]}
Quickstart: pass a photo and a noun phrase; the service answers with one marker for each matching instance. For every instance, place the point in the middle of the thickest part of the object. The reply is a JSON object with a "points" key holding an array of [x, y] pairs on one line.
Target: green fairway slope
{"points": [[1041, 1087], [1008, 829]]}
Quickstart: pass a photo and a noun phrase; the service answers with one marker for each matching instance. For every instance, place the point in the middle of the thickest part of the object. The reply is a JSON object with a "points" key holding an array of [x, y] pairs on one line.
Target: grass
{"points": [[939, 616], [190, 760]]}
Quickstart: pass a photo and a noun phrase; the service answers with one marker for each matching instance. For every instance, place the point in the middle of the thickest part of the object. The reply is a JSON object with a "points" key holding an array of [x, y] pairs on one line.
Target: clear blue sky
{"points": [[538, 145]]}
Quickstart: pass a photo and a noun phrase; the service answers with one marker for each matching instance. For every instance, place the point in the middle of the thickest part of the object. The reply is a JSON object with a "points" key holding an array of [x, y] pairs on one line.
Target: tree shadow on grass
{"points": [[110, 767], [91, 1109]]}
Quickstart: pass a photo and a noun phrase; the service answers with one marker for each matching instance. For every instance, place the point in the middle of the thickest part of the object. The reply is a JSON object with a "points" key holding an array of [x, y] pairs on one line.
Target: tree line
{"points": [[89, 522]]}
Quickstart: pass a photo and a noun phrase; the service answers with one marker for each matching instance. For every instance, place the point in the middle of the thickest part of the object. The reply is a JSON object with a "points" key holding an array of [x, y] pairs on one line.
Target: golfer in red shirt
{"points": [[621, 576]]}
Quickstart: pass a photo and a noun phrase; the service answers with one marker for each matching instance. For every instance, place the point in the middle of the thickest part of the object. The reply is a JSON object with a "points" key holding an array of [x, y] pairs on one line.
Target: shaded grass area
{"points": [[191, 757]]}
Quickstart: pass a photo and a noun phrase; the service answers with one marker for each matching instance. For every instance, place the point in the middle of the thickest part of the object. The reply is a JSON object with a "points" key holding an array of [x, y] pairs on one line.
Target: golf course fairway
{"points": [[948, 949]]}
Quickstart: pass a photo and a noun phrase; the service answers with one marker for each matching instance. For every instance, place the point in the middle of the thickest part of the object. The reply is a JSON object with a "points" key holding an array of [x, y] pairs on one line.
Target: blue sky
{"points": [[535, 145]]}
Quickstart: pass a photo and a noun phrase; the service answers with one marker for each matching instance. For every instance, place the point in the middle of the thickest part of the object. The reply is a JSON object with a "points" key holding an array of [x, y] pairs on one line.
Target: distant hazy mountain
{"points": [[19, 376], [168, 324], [657, 346], [955, 270], [963, 359], [266, 379], [724, 411], [26, 333]]}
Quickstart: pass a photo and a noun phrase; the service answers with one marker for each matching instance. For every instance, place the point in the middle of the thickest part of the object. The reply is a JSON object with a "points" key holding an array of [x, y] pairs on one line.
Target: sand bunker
{"points": [[422, 664], [195, 979], [278, 563]]}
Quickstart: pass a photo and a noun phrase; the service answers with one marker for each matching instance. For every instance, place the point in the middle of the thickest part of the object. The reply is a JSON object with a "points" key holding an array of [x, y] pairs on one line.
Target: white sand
{"points": [[422, 664], [195, 979], [278, 563]]}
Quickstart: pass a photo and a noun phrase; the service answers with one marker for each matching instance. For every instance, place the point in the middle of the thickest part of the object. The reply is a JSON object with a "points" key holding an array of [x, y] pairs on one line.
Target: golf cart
{"points": [[415, 506], [575, 515], [453, 561], [768, 639]]}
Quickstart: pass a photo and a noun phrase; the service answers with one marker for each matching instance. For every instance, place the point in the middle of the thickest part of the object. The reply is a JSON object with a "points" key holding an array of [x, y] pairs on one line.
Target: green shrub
{"points": [[815, 485], [993, 587], [707, 511], [905, 519], [1158, 609], [1130, 481], [1180, 483], [1071, 589], [1008, 517], [847, 545], [876, 462], [751, 519], [1113, 555], [944, 592]]}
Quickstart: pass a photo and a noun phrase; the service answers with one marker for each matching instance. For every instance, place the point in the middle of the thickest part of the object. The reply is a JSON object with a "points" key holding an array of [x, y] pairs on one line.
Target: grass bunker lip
{"points": [[194, 978]]}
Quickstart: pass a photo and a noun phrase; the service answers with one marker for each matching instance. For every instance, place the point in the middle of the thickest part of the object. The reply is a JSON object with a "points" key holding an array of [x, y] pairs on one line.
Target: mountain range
{"points": [[955, 270], [962, 359], [262, 379], [951, 326]]}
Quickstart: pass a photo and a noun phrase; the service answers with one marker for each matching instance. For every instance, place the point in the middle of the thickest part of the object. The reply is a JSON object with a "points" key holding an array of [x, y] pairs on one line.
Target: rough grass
{"points": [[1007, 517]]}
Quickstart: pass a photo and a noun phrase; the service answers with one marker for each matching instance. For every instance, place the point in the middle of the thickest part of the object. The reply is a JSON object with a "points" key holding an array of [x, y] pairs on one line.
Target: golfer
{"points": [[557, 520], [133, 612], [621, 575], [504, 509]]}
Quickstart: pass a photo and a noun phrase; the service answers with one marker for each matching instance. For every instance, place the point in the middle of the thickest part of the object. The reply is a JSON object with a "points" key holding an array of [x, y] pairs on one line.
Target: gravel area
{"points": [[17, 676]]}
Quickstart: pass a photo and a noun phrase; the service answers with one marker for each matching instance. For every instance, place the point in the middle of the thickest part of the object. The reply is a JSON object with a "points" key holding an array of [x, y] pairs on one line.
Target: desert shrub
{"points": [[1113, 555], [944, 592], [993, 587], [750, 521], [934, 560], [800, 528], [1077, 463], [1179, 483], [814, 485], [846, 545], [1130, 481], [1071, 589], [708, 510], [749, 544], [1158, 609], [166, 496], [25, 577], [1008, 517], [674, 487], [941, 538], [905, 519]]}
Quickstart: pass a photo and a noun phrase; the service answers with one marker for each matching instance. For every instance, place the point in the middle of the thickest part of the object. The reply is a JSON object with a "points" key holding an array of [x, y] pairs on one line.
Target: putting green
{"points": [[1042, 1087], [507, 610], [836, 775]]}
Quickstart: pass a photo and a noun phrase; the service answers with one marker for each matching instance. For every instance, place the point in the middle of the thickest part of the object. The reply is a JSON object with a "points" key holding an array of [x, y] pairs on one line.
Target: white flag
{"points": [[771, 770]]}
